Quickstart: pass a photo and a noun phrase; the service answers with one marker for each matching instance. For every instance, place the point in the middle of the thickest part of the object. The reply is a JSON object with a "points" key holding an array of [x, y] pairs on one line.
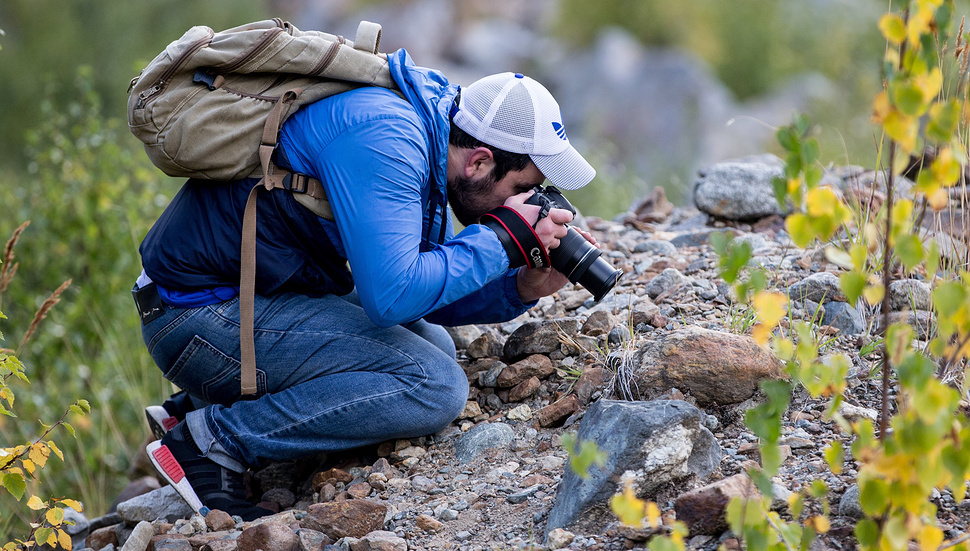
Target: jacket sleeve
{"points": [[375, 174]]}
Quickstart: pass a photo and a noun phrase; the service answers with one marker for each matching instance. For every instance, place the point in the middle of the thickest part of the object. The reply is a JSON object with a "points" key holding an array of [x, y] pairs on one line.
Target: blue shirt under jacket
{"points": [[383, 162]]}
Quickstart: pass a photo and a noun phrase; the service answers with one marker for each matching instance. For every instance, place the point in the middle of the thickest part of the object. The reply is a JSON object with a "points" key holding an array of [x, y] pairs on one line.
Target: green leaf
{"points": [[780, 186], [14, 483], [908, 98], [813, 174], [787, 138], [874, 496], [44, 534], [943, 121], [909, 248], [582, 455], [852, 283], [835, 456], [867, 532], [949, 297], [70, 429], [799, 227]]}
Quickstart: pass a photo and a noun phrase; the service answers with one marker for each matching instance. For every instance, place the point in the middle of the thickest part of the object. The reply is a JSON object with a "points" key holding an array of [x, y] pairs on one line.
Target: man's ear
{"points": [[479, 163]]}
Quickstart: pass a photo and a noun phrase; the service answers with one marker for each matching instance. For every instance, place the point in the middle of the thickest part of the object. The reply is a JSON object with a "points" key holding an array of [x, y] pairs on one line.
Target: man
{"points": [[354, 357]]}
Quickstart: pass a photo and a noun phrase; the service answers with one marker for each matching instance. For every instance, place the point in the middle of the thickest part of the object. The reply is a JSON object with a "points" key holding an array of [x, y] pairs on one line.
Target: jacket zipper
{"points": [[175, 66]]}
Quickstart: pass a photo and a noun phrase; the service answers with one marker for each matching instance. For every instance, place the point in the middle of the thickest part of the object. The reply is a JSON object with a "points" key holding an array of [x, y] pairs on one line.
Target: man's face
{"points": [[470, 198]]}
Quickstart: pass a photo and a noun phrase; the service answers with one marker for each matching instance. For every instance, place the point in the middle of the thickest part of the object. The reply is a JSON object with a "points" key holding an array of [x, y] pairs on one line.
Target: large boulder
{"points": [[715, 368], [648, 443]]}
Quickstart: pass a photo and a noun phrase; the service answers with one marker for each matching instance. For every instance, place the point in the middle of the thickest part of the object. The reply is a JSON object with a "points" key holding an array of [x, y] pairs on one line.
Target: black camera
{"points": [[575, 257]]}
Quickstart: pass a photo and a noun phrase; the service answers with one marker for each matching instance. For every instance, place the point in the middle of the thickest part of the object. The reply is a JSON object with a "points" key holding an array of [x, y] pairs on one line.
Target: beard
{"points": [[469, 199]]}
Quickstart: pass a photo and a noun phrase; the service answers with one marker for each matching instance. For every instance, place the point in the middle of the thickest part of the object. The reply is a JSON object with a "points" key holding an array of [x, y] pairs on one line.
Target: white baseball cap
{"points": [[515, 113]]}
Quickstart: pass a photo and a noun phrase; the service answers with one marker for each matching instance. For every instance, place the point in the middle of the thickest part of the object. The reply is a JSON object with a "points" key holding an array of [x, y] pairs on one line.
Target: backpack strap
{"points": [[307, 191], [368, 38]]}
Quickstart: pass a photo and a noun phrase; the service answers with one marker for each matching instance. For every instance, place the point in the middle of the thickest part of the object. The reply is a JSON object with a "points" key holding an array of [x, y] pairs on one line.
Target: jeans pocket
{"points": [[205, 370]]}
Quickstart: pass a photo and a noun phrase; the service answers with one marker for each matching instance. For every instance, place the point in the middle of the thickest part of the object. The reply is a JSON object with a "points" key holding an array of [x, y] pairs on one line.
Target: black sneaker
{"points": [[202, 483], [162, 418]]}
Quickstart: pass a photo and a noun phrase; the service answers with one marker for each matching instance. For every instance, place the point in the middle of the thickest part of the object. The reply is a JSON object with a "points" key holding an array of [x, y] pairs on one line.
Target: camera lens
{"points": [[578, 260]]}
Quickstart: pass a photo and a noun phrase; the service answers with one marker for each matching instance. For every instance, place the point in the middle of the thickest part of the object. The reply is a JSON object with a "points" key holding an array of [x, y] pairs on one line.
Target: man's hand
{"points": [[551, 228], [540, 282]]}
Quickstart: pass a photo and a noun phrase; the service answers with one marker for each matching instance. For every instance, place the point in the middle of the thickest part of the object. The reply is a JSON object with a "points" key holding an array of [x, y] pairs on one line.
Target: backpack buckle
{"points": [[297, 183]]}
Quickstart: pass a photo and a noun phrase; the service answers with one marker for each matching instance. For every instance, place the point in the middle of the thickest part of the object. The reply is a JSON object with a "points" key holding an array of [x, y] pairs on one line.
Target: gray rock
{"points": [[482, 437], [80, 525], [739, 190], [652, 442], [909, 294], [850, 505], [538, 337], [463, 335], [524, 495], [311, 539], [487, 344], [923, 321], [140, 537], [692, 239], [819, 287], [489, 378], [653, 246], [161, 503], [665, 281], [844, 317]]}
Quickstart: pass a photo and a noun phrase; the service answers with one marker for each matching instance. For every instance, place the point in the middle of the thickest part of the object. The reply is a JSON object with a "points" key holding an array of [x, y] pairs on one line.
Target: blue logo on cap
{"points": [[560, 130]]}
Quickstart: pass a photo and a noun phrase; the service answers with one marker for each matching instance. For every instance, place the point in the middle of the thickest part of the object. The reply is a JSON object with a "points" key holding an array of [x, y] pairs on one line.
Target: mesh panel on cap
{"points": [[479, 103], [516, 115]]}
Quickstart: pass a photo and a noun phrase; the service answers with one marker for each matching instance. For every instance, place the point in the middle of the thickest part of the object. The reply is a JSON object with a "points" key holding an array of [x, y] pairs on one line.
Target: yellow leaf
{"points": [[64, 540], [799, 228], [946, 167], [52, 538], [35, 503], [653, 515], [761, 333], [628, 507], [819, 523], [881, 107], [919, 23], [28, 465], [930, 538], [874, 294], [55, 516], [929, 83], [55, 449], [39, 453], [73, 504], [893, 28], [770, 307], [903, 129], [937, 199], [821, 201]]}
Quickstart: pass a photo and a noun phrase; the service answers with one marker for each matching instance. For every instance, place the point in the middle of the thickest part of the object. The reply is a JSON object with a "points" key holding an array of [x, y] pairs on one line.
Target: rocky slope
{"points": [[669, 339]]}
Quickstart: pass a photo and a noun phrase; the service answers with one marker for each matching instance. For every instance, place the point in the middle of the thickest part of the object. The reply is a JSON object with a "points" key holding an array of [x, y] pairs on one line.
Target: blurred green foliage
{"points": [[46, 41], [89, 199]]}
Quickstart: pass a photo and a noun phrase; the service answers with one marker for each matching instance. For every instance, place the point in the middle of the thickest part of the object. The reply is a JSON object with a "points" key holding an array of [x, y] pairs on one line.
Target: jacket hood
{"points": [[431, 95]]}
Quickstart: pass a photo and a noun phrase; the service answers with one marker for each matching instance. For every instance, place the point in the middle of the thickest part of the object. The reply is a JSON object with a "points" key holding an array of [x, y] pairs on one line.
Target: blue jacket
{"points": [[382, 160]]}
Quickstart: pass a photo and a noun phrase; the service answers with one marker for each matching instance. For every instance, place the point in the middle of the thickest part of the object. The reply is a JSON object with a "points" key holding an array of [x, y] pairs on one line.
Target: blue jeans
{"points": [[328, 379]]}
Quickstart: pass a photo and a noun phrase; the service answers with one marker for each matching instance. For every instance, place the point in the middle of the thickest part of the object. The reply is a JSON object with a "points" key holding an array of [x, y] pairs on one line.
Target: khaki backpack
{"points": [[211, 105]]}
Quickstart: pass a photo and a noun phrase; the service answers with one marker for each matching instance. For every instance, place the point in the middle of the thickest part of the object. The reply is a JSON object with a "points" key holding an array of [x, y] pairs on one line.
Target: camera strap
{"points": [[518, 237]]}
